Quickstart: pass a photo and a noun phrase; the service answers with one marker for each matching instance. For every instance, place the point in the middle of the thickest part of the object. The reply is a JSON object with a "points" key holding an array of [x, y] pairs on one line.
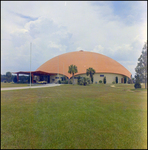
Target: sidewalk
{"points": [[28, 87]]}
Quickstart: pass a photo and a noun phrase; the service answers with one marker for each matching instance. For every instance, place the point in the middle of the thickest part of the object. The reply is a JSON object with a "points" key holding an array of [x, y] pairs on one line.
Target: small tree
{"points": [[91, 72], [72, 70], [141, 68], [8, 76], [104, 80], [116, 80], [100, 81], [15, 79], [137, 84]]}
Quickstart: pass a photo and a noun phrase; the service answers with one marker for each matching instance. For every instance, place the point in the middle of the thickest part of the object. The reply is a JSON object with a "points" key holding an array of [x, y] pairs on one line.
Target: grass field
{"points": [[67, 116]]}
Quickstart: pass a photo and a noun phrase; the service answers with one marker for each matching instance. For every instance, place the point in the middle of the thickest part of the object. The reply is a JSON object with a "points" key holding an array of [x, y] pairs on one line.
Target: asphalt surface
{"points": [[28, 87]]}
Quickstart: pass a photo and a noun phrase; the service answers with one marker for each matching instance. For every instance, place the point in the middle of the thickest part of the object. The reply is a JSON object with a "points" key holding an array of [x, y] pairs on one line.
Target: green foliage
{"points": [[129, 81], [64, 82], [72, 70], [59, 81], [70, 82], [8, 76], [3, 77], [100, 81], [79, 77], [90, 71], [141, 68], [137, 85], [116, 80], [84, 81], [113, 82], [104, 80], [15, 79], [5, 81]]}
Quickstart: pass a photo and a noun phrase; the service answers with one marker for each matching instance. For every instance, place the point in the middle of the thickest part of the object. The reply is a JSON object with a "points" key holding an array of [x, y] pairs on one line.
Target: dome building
{"points": [[103, 66], [56, 68]]}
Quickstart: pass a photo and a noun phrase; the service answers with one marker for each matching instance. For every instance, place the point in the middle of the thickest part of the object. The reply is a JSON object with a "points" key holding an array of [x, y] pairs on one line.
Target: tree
{"points": [[91, 72], [8, 76], [104, 80], [15, 79], [141, 68], [3, 78], [72, 70], [137, 84]]}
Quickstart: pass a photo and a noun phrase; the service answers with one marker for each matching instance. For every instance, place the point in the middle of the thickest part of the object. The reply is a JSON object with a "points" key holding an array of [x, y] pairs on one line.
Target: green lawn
{"points": [[67, 116]]}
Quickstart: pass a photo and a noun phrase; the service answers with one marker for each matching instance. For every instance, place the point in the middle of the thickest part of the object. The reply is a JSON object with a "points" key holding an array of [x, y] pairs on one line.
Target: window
{"points": [[56, 77], [101, 75], [75, 77]]}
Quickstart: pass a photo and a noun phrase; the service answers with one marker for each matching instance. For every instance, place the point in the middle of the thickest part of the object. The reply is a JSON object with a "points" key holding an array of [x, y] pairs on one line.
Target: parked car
{"points": [[42, 82]]}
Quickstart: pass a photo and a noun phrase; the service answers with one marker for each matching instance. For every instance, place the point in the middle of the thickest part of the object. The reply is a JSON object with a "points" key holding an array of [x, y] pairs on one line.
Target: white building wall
{"points": [[110, 77], [55, 79]]}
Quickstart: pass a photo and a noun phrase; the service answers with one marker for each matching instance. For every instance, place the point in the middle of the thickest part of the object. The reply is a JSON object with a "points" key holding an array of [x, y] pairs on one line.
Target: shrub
{"points": [[70, 82], [104, 80], [137, 85], [59, 81], [5, 81], [113, 82], [125, 79], [79, 80], [100, 81], [84, 81], [129, 81], [116, 79], [15, 79], [64, 82]]}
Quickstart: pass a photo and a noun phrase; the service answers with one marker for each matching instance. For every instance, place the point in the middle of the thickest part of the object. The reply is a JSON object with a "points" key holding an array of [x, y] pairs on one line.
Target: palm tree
{"points": [[72, 70], [91, 72]]}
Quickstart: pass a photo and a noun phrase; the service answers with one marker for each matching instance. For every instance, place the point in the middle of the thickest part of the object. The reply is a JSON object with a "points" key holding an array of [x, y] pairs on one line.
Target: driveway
{"points": [[28, 87]]}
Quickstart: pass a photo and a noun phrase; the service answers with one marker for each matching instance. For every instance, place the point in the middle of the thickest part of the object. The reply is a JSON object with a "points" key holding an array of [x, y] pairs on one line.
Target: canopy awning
{"points": [[34, 73]]}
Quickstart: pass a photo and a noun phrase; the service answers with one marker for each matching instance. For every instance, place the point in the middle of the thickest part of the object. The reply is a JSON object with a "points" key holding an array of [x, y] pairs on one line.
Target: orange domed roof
{"points": [[83, 60]]}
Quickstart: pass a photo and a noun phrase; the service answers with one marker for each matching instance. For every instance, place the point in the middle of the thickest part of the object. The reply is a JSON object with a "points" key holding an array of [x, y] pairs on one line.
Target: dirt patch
{"points": [[112, 86]]}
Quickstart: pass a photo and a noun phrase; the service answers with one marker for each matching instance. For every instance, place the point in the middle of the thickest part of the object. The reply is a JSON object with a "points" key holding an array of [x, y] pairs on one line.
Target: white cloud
{"points": [[58, 27], [98, 49]]}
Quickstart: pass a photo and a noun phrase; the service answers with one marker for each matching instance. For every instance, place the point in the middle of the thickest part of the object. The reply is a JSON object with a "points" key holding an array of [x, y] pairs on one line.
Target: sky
{"points": [[117, 29]]}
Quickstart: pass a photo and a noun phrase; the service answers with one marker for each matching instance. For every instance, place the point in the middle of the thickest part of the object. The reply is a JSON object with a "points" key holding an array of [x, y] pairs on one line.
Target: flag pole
{"points": [[30, 63]]}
